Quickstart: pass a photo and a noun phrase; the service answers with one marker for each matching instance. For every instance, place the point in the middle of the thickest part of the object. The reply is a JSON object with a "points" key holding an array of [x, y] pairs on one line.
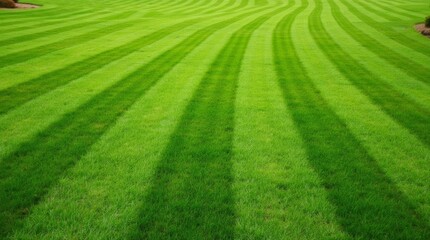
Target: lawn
{"points": [[215, 119]]}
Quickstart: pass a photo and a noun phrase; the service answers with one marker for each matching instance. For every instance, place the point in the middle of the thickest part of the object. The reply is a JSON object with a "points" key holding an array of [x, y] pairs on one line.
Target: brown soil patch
{"points": [[22, 6], [421, 28]]}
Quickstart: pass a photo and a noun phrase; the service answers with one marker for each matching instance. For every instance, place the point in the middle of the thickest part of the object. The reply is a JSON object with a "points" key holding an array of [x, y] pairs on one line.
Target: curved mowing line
{"points": [[35, 24], [391, 8], [386, 12], [198, 4], [204, 7], [261, 2], [226, 4], [174, 6], [60, 15], [405, 111], [19, 94], [34, 15], [411, 68], [38, 23], [193, 7], [27, 174], [243, 4], [32, 36], [368, 204], [232, 8], [399, 5], [28, 54], [24, 92], [400, 38], [191, 195], [190, 4], [228, 7]]}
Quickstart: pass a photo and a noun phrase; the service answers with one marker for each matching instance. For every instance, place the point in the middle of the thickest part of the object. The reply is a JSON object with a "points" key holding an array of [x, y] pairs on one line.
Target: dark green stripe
{"points": [[28, 173], [35, 24], [405, 111], [33, 36], [368, 204], [414, 44], [24, 92], [191, 196], [261, 2], [384, 13], [46, 15], [28, 54], [21, 93], [411, 68]]}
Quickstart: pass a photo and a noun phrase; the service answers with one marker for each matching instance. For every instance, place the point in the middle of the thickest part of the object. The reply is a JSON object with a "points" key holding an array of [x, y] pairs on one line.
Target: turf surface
{"points": [[215, 119]]}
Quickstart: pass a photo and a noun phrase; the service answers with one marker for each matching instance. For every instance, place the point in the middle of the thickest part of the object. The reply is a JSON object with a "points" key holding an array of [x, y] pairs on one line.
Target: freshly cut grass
{"points": [[71, 27], [408, 113], [214, 119], [79, 130], [356, 185], [177, 202], [415, 44], [29, 89]]}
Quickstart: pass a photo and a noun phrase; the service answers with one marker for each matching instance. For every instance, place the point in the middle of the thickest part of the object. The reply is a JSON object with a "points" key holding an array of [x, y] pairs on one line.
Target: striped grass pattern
{"points": [[215, 119]]}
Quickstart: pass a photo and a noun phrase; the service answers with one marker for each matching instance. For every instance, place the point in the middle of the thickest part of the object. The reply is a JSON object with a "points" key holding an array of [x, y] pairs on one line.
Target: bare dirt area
{"points": [[21, 6], [421, 28], [26, 5]]}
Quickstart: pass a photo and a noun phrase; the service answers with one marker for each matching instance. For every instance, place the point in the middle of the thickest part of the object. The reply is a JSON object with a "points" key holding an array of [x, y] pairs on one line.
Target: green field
{"points": [[215, 119]]}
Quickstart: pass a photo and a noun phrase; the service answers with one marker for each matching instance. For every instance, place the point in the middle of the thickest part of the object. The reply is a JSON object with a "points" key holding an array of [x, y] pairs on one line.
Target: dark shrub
{"points": [[7, 4], [427, 22]]}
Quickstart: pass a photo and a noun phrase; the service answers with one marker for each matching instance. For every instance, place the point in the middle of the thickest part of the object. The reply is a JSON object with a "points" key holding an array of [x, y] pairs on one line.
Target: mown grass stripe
{"points": [[61, 15], [191, 196], [10, 25], [190, 8], [243, 4], [69, 16], [390, 13], [173, 6], [222, 5], [261, 2], [203, 7], [28, 54], [390, 8], [191, 3], [80, 24], [24, 92], [34, 25], [369, 205], [412, 68], [230, 6], [401, 6], [39, 14], [414, 44], [21, 93], [28, 173], [277, 193], [405, 111], [122, 161]]}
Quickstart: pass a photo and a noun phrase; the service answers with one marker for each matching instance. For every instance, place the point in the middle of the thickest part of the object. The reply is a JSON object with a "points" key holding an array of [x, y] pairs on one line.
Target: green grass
{"points": [[215, 119]]}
